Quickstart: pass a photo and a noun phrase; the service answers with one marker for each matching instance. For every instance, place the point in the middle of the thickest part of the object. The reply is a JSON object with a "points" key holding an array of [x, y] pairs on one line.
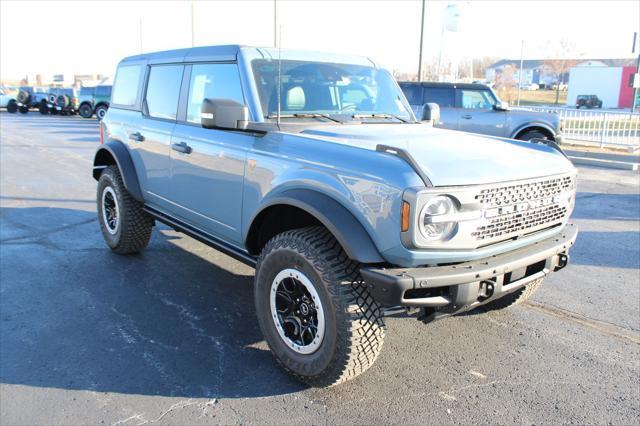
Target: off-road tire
{"points": [[135, 226], [99, 111], [23, 109], [517, 297], [354, 326], [85, 111], [532, 134], [12, 107], [43, 108]]}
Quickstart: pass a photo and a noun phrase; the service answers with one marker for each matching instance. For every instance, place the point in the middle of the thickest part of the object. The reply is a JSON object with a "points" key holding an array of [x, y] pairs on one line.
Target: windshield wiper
{"points": [[385, 115], [306, 115]]}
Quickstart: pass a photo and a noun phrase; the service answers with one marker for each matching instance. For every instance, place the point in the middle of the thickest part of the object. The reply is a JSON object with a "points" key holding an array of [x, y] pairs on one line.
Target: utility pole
{"points": [[192, 33], [275, 24], [421, 41], [520, 73]]}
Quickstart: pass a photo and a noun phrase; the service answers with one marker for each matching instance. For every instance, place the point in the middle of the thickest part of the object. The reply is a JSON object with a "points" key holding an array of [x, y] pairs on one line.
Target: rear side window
{"points": [[413, 92], [103, 91], [444, 97], [163, 91], [126, 85], [213, 81]]}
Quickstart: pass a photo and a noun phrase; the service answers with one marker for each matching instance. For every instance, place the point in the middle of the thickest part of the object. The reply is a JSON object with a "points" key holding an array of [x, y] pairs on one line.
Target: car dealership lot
{"points": [[170, 336]]}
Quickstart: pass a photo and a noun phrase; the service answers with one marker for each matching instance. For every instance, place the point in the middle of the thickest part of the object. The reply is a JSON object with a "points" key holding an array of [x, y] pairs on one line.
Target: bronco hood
{"points": [[451, 158]]}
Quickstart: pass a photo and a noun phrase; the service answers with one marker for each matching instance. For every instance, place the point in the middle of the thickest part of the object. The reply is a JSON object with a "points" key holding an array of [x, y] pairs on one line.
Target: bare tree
{"points": [[561, 64], [505, 83]]}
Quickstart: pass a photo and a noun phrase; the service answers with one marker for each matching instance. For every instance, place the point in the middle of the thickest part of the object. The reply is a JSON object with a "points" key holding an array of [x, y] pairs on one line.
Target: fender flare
{"points": [[349, 232], [526, 126], [117, 151]]}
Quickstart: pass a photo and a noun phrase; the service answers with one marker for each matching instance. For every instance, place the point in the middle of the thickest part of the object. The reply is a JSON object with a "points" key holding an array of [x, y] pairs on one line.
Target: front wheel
{"points": [[517, 297], [101, 111], [315, 312], [125, 226], [12, 107]]}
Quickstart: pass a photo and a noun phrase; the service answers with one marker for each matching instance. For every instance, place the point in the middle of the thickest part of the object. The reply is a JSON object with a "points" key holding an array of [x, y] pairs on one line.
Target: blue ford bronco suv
{"points": [[312, 168]]}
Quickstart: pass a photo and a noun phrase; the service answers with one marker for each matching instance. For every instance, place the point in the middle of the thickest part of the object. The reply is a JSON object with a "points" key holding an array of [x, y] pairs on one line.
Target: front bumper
{"points": [[464, 286]]}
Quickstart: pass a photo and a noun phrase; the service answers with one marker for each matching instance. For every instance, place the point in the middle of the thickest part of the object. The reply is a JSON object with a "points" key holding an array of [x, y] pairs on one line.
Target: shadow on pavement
{"points": [[168, 321]]}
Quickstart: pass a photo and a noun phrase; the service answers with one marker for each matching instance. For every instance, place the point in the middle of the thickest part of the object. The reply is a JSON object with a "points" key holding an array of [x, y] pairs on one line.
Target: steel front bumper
{"points": [[463, 286]]}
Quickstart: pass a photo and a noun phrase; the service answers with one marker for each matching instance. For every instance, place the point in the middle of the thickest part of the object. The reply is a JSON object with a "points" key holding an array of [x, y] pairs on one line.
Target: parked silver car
{"points": [[475, 108]]}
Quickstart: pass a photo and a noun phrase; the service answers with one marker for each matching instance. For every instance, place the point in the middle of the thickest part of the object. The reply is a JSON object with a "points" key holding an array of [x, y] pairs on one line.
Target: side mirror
{"points": [[501, 106], [223, 114], [431, 112]]}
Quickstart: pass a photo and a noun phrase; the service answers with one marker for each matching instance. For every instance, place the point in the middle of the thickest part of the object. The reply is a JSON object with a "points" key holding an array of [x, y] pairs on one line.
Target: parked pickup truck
{"points": [[476, 108], [312, 168]]}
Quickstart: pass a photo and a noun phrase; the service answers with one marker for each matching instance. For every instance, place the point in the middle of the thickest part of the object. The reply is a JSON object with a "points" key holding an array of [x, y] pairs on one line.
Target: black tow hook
{"points": [[563, 260]]}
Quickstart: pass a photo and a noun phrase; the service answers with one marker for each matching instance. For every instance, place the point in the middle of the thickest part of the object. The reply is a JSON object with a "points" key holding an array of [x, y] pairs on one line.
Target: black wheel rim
{"points": [[110, 214], [297, 312]]}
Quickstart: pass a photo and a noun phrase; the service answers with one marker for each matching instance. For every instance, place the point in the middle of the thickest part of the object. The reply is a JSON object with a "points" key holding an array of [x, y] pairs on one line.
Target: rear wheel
{"points": [[315, 312], [44, 110], [85, 111], [532, 134], [126, 228], [23, 109], [517, 297]]}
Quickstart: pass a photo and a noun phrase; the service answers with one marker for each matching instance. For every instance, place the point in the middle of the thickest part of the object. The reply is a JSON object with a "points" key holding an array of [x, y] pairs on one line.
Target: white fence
{"points": [[595, 126]]}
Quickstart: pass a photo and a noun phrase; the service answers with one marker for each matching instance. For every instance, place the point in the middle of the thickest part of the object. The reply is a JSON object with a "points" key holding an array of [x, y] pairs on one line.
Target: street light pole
{"points": [[275, 24], [520, 73], [421, 41], [636, 78], [192, 33]]}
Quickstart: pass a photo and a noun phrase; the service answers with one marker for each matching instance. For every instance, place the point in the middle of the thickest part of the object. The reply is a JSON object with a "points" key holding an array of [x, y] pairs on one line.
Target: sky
{"points": [[100, 33]]}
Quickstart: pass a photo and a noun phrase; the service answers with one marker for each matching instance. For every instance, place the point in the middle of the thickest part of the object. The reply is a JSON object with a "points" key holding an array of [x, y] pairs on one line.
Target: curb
{"points": [[609, 164]]}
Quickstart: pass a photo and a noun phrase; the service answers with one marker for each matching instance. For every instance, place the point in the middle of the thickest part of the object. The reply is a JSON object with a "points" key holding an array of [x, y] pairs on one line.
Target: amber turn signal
{"points": [[406, 212]]}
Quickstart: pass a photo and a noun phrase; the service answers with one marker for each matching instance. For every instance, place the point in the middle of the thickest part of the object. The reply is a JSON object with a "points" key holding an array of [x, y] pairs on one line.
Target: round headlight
{"points": [[433, 223]]}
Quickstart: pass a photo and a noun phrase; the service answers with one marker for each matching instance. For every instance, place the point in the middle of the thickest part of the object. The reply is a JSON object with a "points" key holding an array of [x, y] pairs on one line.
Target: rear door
{"points": [[150, 137], [445, 98], [477, 113], [207, 165]]}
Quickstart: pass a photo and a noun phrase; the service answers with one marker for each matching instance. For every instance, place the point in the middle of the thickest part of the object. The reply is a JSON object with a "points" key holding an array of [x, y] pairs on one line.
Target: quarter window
{"points": [[126, 85], [444, 97], [163, 91], [212, 81]]}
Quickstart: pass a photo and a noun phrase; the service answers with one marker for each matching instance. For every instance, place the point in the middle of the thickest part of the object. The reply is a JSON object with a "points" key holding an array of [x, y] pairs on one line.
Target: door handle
{"points": [[181, 147], [467, 116], [136, 136]]}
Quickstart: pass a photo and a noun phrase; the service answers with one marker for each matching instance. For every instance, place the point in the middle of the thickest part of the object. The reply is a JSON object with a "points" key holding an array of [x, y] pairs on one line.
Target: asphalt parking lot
{"points": [[170, 336]]}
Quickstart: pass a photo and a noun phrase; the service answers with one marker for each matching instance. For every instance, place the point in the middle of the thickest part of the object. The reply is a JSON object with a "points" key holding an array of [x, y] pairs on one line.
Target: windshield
{"points": [[350, 91]]}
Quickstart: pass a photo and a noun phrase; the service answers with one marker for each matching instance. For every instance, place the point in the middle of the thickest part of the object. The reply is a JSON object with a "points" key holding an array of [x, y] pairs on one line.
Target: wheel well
{"points": [[542, 130], [104, 104], [275, 220], [85, 103], [103, 159]]}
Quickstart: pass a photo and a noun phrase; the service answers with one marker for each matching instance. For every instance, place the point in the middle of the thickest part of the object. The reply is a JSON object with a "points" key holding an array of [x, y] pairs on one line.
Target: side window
{"points": [[476, 99], [413, 93], [103, 90], [86, 91], [163, 91], [126, 85], [443, 96], [213, 81]]}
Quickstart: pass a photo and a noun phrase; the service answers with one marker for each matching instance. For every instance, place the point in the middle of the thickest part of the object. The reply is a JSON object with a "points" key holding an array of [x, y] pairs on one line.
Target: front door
{"points": [[445, 98], [207, 165], [477, 113]]}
